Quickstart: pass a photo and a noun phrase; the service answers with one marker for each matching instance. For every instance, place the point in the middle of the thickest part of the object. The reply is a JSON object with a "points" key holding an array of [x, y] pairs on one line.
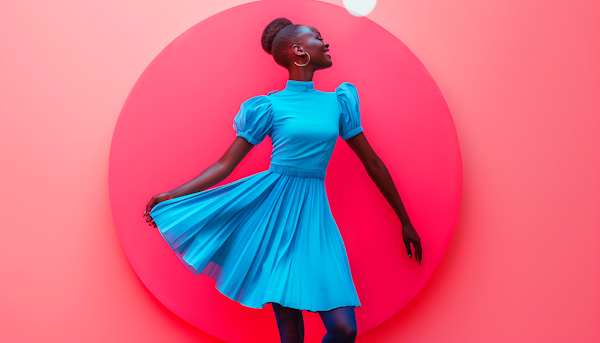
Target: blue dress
{"points": [[270, 237]]}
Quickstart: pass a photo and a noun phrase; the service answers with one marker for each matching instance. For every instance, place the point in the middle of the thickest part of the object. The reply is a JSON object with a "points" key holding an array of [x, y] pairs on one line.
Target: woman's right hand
{"points": [[155, 200]]}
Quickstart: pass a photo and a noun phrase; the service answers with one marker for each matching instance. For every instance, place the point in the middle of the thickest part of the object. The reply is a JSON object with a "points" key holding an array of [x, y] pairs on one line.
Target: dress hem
{"points": [[196, 273]]}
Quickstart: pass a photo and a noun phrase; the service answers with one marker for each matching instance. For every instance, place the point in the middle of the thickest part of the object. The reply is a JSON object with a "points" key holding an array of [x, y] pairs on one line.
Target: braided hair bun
{"points": [[271, 31], [278, 36]]}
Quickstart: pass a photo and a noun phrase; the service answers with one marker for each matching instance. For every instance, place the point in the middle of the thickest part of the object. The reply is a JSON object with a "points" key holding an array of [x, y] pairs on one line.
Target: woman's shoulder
{"points": [[257, 100], [346, 92], [257, 103], [345, 87], [262, 100]]}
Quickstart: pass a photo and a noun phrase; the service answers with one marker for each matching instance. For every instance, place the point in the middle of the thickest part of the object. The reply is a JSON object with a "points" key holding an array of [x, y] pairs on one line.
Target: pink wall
{"points": [[521, 79]]}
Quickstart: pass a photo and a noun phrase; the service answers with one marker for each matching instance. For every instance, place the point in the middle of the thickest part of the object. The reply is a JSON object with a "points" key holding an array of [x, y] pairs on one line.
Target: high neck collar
{"points": [[299, 86]]}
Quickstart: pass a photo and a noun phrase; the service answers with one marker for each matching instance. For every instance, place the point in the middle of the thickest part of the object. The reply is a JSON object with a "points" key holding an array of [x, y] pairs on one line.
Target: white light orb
{"points": [[360, 8]]}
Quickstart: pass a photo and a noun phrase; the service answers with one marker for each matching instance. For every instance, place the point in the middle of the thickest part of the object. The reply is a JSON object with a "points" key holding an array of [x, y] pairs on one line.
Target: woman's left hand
{"points": [[155, 200], [409, 234]]}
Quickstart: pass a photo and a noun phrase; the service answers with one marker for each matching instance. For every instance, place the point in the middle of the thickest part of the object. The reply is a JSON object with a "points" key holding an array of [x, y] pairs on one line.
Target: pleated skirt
{"points": [[267, 238]]}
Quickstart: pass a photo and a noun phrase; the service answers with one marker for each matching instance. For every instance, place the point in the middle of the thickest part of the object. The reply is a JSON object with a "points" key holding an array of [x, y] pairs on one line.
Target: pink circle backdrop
{"points": [[177, 121]]}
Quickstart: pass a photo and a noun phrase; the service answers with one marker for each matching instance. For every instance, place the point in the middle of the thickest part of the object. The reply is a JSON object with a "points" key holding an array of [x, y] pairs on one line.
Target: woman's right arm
{"points": [[218, 171], [209, 177]]}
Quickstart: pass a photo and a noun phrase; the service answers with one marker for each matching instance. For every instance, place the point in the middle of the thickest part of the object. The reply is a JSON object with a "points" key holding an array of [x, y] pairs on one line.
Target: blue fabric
{"points": [[271, 237]]}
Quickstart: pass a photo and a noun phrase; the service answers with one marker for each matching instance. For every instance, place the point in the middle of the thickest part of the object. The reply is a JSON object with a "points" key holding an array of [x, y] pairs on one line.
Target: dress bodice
{"points": [[303, 122]]}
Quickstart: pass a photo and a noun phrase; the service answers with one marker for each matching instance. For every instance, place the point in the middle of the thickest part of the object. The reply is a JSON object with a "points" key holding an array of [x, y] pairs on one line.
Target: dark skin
{"points": [[310, 41]]}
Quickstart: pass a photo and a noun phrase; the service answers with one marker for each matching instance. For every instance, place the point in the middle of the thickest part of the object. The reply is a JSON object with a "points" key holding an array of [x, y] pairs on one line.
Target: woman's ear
{"points": [[297, 50]]}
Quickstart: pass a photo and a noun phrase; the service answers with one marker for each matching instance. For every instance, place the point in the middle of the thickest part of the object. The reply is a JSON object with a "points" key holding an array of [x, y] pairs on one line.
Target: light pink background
{"points": [[521, 80]]}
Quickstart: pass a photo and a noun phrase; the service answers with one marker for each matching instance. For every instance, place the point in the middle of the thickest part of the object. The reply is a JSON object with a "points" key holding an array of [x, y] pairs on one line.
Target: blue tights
{"points": [[339, 322]]}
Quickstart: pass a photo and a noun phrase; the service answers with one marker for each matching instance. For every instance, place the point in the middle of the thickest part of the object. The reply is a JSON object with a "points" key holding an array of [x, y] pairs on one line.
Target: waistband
{"points": [[288, 170]]}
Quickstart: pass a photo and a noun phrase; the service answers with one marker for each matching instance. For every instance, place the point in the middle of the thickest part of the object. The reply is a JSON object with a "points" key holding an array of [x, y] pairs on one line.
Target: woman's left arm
{"points": [[382, 178]]}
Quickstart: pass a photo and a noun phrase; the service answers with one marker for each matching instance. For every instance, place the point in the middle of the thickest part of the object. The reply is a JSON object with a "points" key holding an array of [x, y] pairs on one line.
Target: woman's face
{"points": [[317, 48]]}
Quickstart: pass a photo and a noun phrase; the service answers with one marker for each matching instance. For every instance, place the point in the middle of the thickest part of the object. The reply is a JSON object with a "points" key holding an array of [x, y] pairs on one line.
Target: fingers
{"points": [[150, 205], [418, 251], [409, 234], [150, 221], [407, 244], [148, 208]]}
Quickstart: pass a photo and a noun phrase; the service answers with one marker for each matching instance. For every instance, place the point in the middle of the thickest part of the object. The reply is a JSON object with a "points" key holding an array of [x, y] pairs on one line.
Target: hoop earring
{"points": [[302, 65]]}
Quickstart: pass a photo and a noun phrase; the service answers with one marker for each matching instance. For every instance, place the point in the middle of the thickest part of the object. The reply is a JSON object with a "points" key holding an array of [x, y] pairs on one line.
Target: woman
{"points": [[270, 237]]}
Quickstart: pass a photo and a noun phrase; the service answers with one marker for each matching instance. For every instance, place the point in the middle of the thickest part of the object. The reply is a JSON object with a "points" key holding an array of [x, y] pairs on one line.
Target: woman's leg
{"points": [[290, 324], [340, 324]]}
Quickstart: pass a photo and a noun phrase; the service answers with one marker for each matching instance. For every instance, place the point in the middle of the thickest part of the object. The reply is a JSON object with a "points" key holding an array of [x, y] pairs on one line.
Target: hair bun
{"points": [[271, 31]]}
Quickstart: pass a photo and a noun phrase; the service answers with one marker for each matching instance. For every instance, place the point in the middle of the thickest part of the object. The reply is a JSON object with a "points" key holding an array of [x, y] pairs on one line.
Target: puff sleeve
{"points": [[254, 119], [349, 103]]}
